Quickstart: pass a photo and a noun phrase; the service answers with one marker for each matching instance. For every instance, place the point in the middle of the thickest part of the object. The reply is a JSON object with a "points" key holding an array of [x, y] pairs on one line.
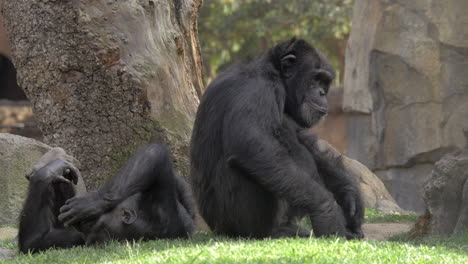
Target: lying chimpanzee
{"points": [[146, 200], [256, 167]]}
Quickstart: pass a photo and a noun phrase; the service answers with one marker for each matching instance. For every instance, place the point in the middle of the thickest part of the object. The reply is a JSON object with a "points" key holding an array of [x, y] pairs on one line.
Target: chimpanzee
{"points": [[146, 200], [255, 166]]}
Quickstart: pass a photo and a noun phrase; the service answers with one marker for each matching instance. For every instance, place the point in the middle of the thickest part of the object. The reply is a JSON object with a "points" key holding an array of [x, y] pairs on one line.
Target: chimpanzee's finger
{"points": [[64, 208], [71, 200], [58, 179], [71, 172], [71, 221], [64, 216]]}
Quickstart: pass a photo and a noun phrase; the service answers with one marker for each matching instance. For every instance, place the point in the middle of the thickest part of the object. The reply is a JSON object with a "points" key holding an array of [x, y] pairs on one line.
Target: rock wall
{"points": [[406, 89]]}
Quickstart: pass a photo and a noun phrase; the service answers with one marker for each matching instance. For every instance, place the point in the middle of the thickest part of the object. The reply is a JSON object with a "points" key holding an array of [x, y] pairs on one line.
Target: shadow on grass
{"points": [[458, 241]]}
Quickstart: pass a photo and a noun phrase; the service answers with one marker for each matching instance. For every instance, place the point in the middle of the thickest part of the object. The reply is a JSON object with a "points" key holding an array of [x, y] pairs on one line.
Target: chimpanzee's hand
{"points": [[82, 208], [356, 234], [328, 220], [57, 171], [353, 210]]}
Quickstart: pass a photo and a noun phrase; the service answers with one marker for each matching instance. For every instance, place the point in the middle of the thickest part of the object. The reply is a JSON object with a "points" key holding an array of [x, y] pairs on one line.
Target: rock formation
{"points": [[406, 89], [446, 194]]}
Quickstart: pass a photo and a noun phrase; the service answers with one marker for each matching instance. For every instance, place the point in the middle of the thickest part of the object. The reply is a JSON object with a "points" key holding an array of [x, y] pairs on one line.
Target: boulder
{"points": [[373, 191], [446, 193], [17, 156], [387, 207], [406, 89]]}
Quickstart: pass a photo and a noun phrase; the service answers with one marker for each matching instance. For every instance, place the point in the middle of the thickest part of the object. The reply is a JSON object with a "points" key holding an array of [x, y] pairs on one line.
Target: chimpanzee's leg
{"points": [[165, 197]]}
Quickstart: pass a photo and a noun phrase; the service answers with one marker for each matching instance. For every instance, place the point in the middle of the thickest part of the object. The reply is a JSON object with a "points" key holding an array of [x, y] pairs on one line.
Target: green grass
{"points": [[8, 243], [459, 241], [205, 248], [374, 216]]}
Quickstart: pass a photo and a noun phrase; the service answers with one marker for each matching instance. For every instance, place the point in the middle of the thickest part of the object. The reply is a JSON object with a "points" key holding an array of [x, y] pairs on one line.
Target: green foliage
{"points": [[232, 30]]}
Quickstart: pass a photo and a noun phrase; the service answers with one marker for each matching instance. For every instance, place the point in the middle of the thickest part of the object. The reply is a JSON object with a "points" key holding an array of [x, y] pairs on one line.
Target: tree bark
{"points": [[105, 77], [4, 49]]}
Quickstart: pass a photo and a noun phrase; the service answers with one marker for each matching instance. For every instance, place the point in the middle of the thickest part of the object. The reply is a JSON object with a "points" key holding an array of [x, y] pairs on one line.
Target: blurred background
{"points": [[233, 30]]}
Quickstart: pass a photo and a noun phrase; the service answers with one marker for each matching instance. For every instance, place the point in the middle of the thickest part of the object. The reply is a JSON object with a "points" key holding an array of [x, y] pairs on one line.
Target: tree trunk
{"points": [[105, 77], [4, 49]]}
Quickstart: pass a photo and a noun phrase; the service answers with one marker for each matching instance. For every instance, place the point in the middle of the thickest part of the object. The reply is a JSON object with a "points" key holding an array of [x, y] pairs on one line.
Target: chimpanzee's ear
{"points": [[287, 62], [285, 55], [128, 215]]}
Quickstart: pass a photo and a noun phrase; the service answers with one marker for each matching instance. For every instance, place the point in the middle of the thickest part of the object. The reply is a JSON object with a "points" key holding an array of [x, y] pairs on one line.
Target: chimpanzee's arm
{"points": [[150, 167], [344, 187], [185, 196], [39, 228]]}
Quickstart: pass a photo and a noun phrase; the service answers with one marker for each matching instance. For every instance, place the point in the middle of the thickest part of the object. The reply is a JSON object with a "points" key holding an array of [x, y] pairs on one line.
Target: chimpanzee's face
{"points": [[118, 224], [307, 76]]}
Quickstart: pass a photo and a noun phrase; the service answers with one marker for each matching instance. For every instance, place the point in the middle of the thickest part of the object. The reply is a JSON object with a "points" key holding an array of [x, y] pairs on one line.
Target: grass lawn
{"points": [[207, 248]]}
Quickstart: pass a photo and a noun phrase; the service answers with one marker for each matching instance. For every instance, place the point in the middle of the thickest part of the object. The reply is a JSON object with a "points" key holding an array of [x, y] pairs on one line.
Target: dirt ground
{"points": [[7, 233], [382, 231]]}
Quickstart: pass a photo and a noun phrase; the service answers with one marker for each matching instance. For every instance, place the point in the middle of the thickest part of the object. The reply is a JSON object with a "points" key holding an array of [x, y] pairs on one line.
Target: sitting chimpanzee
{"points": [[255, 165], [146, 200]]}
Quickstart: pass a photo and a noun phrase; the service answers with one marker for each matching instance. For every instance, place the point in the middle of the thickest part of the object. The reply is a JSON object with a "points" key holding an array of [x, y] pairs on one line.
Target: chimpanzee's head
{"points": [[307, 76], [124, 222]]}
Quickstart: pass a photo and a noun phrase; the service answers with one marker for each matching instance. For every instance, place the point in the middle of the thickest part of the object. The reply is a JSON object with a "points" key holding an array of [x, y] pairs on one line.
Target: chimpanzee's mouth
{"points": [[322, 110]]}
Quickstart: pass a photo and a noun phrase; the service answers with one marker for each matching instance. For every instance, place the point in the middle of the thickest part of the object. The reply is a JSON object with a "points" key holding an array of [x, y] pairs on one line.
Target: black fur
{"points": [[255, 166], [146, 200]]}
